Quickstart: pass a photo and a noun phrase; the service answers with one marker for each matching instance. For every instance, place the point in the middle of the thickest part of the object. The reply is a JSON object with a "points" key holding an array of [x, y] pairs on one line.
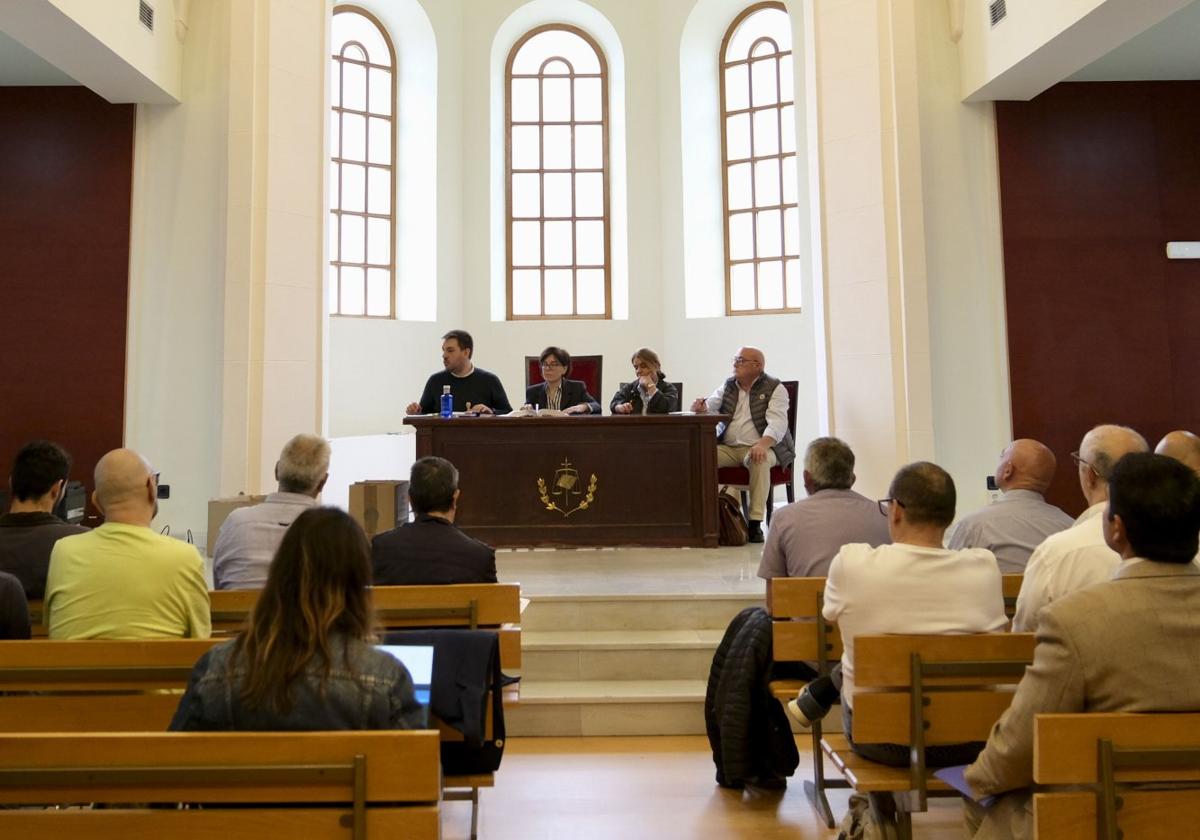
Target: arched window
{"points": [[758, 145], [362, 183], [556, 134]]}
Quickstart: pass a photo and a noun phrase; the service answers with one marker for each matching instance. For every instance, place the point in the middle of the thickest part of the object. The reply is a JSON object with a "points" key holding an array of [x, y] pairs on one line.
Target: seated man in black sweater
{"points": [[473, 389], [431, 549]]}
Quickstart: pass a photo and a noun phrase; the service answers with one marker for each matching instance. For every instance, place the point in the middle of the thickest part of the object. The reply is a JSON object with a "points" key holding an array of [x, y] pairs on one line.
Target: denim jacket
{"points": [[366, 689]]}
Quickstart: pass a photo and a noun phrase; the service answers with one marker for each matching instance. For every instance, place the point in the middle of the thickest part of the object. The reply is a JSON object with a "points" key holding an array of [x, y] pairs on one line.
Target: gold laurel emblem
{"points": [[567, 493]]}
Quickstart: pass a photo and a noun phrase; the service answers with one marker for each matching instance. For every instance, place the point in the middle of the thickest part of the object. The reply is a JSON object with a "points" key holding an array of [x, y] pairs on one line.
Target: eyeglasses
{"points": [[886, 504], [1079, 462], [742, 360], [550, 365]]}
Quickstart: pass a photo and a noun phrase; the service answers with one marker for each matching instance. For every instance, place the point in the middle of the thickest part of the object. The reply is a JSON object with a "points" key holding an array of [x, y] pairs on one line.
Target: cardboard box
{"points": [[379, 506], [219, 510]]}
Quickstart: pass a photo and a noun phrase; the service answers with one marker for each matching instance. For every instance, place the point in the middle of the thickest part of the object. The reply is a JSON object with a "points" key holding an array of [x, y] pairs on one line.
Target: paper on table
{"points": [[956, 777]]}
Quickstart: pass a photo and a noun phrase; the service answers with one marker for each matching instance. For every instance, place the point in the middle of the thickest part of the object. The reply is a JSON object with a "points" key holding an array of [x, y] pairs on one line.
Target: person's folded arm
{"points": [[777, 412]]}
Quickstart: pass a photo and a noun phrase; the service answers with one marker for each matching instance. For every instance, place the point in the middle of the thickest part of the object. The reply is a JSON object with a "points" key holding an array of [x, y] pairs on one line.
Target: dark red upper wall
{"points": [[1095, 178], [66, 163]]}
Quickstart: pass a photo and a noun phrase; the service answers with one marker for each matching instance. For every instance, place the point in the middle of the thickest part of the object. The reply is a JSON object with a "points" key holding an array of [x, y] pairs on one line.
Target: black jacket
{"points": [[664, 401], [747, 727], [574, 392], [430, 551]]}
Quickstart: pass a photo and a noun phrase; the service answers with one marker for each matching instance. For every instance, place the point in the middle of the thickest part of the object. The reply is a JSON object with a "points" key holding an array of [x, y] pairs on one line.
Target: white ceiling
{"points": [[20, 66], [1167, 50]]}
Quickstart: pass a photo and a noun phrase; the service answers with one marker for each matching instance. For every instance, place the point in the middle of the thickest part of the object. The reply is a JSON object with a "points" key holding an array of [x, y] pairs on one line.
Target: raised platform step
{"points": [[633, 612], [618, 654], [608, 707]]}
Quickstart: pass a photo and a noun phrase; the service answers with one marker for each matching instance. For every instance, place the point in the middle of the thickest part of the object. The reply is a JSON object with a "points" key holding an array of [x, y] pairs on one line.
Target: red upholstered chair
{"points": [[588, 369], [740, 476]]}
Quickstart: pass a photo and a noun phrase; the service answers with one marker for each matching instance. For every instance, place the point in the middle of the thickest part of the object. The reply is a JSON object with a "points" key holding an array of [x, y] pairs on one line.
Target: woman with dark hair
{"points": [[305, 659], [569, 396], [650, 392]]}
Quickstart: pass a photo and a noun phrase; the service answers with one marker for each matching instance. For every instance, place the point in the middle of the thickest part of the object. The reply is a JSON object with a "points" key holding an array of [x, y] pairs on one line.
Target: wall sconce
{"points": [[1183, 250]]}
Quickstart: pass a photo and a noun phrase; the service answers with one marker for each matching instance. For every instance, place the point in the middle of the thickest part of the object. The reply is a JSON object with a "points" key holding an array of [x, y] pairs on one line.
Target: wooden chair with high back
{"points": [[587, 369]]}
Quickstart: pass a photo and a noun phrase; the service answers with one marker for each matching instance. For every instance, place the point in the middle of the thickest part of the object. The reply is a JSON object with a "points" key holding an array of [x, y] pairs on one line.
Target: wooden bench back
{"points": [[1110, 752], [798, 630], [389, 783], [1011, 586], [488, 606], [963, 684]]}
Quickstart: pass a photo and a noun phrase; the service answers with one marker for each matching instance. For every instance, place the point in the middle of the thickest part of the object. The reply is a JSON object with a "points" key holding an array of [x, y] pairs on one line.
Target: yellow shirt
{"points": [[126, 582]]}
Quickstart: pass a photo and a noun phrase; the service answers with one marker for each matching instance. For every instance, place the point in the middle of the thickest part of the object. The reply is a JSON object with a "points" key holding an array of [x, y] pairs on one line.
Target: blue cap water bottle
{"points": [[447, 402]]}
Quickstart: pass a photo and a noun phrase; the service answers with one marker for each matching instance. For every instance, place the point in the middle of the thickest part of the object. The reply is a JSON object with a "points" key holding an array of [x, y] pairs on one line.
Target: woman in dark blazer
{"points": [[567, 395], [650, 392]]}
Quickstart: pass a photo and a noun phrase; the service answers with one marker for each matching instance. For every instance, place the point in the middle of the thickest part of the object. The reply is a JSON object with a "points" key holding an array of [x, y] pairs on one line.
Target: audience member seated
{"points": [[1078, 556], [1183, 446], [556, 392], [123, 580], [305, 660], [649, 392], [805, 535], [1124, 645], [430, 549], [30, 529], [911, 586], [250, 535], [14, 609], [757, 437], [472, 388], [1021, 519]]}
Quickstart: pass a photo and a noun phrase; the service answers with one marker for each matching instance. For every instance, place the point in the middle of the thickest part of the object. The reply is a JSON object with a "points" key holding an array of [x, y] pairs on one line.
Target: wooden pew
{"points": [[924, 690], [314, 785], [800, 634], [486, 606], [1011, 586], [1143, 771]]}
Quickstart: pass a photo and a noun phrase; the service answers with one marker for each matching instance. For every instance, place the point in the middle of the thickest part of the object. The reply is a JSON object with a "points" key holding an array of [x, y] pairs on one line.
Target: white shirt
{"points": [[1063, 563], [741, 431], [903, 588]]}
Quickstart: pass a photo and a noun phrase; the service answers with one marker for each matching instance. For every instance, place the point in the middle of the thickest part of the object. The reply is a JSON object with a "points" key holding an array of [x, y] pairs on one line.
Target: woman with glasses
{"points": [[306, 658], [649, 392], [556, 392]]}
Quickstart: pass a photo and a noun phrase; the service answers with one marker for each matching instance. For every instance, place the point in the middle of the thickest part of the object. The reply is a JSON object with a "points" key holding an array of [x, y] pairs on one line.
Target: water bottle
{"points": [[447, 402]]}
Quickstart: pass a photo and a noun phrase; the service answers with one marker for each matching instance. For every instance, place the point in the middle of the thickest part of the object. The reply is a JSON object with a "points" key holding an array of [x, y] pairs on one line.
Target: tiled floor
{"points": [[633, 571]]}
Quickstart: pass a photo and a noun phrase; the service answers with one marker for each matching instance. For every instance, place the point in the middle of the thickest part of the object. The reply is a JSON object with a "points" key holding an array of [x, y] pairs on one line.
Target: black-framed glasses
{"points": [[742, 360], [886, 504], [550, 365]]}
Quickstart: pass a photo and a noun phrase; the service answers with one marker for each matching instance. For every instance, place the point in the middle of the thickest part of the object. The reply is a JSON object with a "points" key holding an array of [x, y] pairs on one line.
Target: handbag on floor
{"points": [[732, 529]]}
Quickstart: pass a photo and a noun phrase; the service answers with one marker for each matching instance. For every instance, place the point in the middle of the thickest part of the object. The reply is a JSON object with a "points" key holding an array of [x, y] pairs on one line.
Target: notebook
{"points": [[418, 659]]}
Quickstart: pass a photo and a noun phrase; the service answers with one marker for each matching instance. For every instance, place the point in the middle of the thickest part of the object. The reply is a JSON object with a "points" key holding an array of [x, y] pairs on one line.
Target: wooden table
{"points": [[581, 480]]}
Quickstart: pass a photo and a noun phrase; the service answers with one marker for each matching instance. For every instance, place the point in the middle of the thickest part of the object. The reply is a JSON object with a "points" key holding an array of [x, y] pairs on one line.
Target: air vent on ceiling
{"points": [[146, 14], [997, 10]]}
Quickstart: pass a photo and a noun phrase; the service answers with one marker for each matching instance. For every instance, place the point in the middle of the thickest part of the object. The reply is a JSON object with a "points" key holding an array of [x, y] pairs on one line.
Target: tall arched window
{"points": [[758, 145], [556, 134], [362, 183]]}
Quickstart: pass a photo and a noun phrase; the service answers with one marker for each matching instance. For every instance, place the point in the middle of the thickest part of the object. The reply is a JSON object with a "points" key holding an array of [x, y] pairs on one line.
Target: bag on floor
{"points": [[733, 529], [859, 823]]}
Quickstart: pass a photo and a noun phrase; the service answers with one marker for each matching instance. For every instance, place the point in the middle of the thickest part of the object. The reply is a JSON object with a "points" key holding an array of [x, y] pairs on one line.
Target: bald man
{"points": [[1183, 446], [757, 437], [123, 580], [1018, 522], [1078, 557]]}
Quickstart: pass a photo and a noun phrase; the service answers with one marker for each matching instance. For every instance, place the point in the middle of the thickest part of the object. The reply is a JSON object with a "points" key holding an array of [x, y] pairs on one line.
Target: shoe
{"points": [[805, 710], [754, 532]]}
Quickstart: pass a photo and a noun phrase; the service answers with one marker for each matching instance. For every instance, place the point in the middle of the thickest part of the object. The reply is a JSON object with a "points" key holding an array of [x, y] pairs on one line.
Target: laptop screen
{"points": [[418, 659]]}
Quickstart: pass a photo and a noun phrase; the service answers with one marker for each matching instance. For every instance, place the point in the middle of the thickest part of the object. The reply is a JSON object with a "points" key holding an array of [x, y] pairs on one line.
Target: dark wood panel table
{"points": [[581, 481]]}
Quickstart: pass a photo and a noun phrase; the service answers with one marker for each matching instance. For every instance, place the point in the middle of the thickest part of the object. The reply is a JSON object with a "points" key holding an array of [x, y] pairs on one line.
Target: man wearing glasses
{"points": [[1078, 556], [757, 437]]}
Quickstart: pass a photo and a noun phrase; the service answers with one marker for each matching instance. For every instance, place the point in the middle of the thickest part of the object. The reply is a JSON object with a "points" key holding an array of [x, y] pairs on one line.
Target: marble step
{"points": [[633, 612], [617, 654]]}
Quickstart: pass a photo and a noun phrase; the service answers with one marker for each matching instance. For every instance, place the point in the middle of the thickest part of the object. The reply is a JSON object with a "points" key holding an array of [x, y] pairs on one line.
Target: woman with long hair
{"points": [[649, 392], [305, 659]]}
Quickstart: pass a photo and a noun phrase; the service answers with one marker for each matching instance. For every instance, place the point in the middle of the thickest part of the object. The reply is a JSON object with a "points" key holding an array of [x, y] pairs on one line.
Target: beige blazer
{"points": [[1131, 644]]}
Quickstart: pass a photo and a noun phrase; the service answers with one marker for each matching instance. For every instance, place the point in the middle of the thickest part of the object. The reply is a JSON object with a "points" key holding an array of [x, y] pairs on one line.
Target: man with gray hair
{"points": [[250, 535], [806, 535], [1078, 557]]}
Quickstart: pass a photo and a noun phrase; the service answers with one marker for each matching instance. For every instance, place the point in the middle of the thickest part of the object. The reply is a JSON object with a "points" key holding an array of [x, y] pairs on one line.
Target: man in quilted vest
{"points": [[757, 436]]}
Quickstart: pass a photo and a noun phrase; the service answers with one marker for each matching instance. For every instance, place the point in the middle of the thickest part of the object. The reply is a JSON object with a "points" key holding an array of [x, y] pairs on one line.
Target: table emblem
{"points": [[567, 491]]}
